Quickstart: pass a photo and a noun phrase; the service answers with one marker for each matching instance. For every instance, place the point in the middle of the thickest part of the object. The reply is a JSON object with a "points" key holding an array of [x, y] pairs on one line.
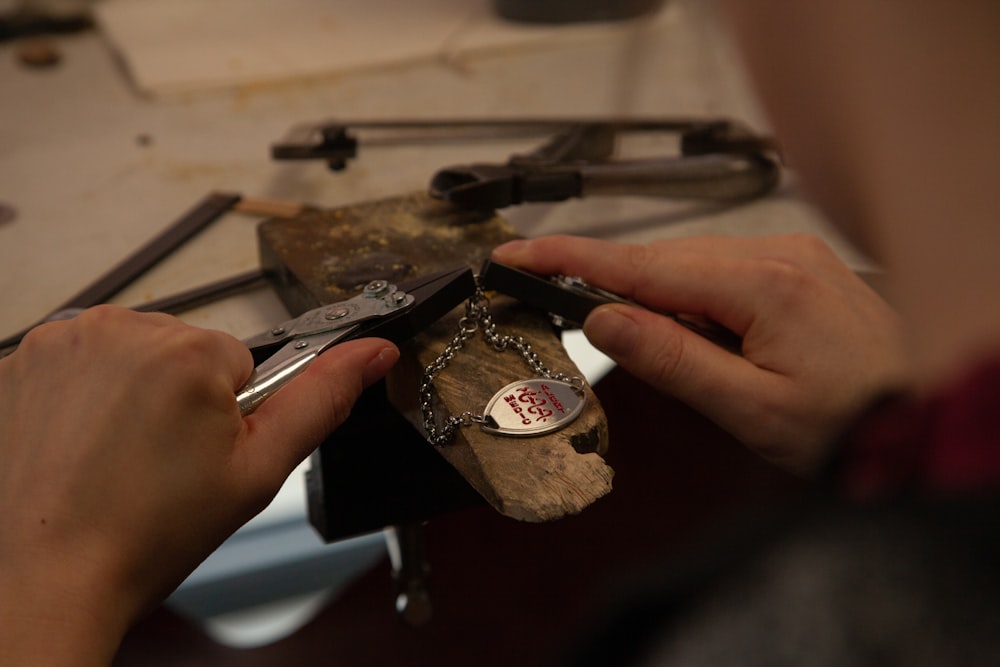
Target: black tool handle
{"points": [[570, 306], [571, 303]]}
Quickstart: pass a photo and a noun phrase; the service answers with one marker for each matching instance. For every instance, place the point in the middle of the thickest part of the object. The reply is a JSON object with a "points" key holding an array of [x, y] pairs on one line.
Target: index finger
{"points": [[711, 277]]}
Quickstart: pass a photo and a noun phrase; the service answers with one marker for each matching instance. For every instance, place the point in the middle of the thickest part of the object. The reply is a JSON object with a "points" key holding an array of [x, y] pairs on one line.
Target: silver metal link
{"points": [[477, 318]]}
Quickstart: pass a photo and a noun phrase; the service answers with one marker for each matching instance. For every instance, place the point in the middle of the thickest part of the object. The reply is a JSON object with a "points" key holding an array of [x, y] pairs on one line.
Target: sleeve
{"points": [[943, 445]]}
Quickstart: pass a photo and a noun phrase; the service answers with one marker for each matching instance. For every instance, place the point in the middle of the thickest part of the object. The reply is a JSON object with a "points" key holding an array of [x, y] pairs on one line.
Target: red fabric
{"points": [[946, 445]]}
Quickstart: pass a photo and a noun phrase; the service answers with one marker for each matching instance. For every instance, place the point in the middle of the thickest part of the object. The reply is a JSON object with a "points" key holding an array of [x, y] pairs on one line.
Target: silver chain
{"points": [[477, 318]]}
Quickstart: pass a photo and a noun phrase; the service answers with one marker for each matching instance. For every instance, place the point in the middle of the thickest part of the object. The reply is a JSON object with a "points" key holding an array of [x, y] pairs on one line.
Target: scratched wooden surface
{"points": [[322, 256]]}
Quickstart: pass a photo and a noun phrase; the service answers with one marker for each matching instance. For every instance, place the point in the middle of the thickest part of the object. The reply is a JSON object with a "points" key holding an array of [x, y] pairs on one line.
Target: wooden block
{"points": [[320, 257], [531, 479], [323, 256]]}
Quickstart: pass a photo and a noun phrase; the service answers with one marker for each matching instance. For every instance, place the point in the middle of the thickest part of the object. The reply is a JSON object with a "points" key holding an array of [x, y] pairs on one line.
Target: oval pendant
{"points": [[532, 407]]}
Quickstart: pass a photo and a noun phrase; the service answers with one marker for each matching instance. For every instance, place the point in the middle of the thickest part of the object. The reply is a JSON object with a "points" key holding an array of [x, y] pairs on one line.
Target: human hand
{"points": [[126, 462], [818, 343]]}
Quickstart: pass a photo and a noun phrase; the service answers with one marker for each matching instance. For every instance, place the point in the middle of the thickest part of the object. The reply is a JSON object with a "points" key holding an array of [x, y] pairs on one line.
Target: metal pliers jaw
{"points": [[382, 310], [304, 338]]}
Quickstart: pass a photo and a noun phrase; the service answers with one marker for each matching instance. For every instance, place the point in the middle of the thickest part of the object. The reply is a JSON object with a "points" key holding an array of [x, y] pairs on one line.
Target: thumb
{"points": [[293, 422], [671, 358]]}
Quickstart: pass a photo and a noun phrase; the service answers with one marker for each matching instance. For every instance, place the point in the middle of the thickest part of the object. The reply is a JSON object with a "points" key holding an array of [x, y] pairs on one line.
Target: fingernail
{"points": [[380, 365], [611, 331], [509, 249]]}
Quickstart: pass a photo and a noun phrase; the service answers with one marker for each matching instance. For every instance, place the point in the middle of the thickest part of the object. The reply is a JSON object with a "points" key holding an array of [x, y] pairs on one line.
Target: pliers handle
{"points": [[569, 299]]}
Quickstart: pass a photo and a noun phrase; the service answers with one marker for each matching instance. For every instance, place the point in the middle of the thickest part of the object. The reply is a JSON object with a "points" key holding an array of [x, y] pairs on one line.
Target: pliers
{"points": [[398, 313], [568, 300], [382, 309], [718, 161]]}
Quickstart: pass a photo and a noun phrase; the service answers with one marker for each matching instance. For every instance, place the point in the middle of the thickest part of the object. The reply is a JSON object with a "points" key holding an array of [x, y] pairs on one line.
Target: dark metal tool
{"points": [[382, 309], [337, 141], [27, 22], [180, 302], [410, 572], [718, 159], [205, 294], [568, 300], [202, 214]]}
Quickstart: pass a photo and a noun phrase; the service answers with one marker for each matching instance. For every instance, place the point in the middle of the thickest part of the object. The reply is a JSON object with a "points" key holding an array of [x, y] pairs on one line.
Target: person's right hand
{"points": [[817, 343], [126, 461]]}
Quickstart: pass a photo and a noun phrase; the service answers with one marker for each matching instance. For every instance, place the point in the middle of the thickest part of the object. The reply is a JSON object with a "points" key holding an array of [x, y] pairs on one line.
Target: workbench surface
{"points": [[94, 169]]}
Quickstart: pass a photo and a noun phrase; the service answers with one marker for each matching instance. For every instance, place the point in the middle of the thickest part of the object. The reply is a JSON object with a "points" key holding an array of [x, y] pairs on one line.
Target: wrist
{"points": [[57, 614]]}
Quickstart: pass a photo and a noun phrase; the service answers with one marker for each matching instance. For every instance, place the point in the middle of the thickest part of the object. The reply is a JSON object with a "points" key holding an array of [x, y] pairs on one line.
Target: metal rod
{"points": [[206, 211], [174, 303], [199, 296], [117, 278]]}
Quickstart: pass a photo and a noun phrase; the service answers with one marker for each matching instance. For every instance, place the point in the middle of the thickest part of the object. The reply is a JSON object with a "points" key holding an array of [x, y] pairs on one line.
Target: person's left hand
{"points": [[126, 462], [818, 344]]}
